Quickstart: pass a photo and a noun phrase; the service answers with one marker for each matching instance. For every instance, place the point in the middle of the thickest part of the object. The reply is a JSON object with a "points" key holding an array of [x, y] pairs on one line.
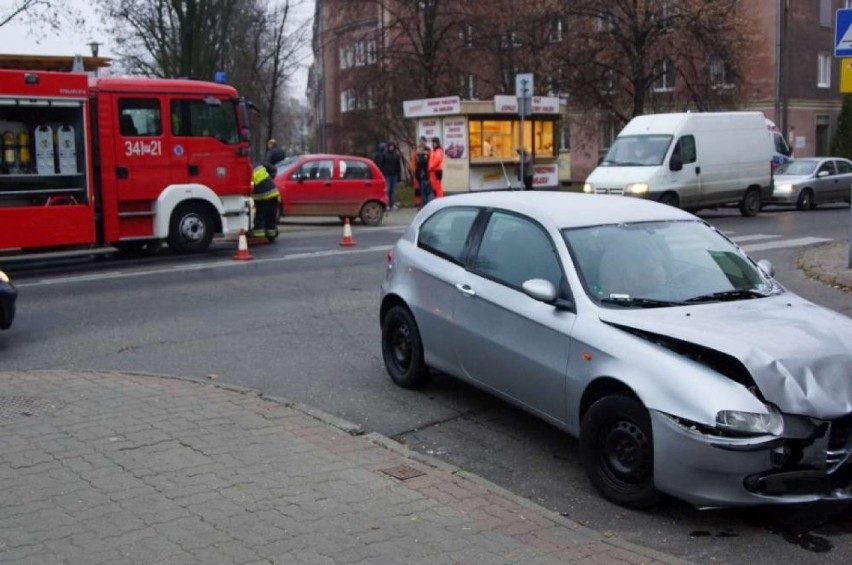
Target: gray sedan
{"points": [[682, 366], [808, 182]]}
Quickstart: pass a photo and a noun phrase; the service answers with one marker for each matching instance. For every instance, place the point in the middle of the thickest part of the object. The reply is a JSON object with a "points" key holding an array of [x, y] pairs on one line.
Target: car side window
{"points": [[316, 170], [843, 167], [826, 166], [686, 149], [446, 232], [354, 170], [515, 250]]}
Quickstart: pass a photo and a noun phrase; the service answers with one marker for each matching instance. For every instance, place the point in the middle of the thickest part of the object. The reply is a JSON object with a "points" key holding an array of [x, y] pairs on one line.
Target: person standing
{"points": [[274, 154], [436, 167], [379, 155], [266, 203], [420, 172], [391, 167], [528, 170]]}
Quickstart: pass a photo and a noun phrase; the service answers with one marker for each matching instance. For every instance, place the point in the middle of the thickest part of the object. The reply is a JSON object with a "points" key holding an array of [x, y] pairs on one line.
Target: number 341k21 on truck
{"points": [[120, 162]]}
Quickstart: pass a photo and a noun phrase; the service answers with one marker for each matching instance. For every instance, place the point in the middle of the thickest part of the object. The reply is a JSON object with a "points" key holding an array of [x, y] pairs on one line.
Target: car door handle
{"points": [[192, 170], [697, 170], [465, 289], [328, 184], [121, 172]]}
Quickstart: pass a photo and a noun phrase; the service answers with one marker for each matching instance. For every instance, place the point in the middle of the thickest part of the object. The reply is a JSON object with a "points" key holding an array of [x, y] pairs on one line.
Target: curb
{"points": [[812, 264], [380, 440]]}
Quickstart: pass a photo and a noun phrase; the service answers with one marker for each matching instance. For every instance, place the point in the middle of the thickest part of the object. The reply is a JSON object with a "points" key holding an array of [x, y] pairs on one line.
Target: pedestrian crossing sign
{"points": [[843, 33]]}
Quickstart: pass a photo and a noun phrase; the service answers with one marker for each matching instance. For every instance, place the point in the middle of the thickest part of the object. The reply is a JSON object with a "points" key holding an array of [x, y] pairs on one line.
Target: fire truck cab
{"points": [[122, 162]]}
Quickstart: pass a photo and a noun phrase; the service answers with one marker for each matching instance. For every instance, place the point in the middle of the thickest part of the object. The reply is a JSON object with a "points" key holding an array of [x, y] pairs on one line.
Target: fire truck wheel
{"points": [[191, 228]]}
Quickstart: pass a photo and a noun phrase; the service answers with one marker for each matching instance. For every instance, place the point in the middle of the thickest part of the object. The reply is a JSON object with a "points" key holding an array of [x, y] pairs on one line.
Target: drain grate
{"points": [[13, 407], [403, 472]]}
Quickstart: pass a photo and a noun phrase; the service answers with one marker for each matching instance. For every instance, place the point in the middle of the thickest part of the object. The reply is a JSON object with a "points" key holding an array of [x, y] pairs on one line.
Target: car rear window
{"points": [[445, 233], [350, 169]]}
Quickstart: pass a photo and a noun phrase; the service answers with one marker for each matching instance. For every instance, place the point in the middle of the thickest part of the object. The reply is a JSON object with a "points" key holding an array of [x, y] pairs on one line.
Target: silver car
{"points": [[808, 182], [680, 364]]}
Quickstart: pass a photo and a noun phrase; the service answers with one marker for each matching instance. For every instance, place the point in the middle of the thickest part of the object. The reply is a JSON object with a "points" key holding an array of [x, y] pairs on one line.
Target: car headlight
{"points": [[637, 188], [3, 277], [751, 423], [784, 187], [588, 188]]}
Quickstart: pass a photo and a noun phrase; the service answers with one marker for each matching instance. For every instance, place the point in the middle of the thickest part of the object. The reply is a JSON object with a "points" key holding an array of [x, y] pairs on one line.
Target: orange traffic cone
{"points": [[242, 253], [347, 234]]}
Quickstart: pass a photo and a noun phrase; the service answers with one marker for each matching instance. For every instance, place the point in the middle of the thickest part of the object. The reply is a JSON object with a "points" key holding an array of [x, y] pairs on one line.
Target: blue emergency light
{"points": [[221, 77]]}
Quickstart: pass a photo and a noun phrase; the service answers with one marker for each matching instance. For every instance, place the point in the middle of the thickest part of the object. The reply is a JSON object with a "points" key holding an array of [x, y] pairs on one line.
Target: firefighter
{"points": [[266, 203]]}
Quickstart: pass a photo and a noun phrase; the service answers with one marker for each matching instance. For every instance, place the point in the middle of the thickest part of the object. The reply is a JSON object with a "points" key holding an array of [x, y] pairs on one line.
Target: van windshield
{"points": [[637, 151]]}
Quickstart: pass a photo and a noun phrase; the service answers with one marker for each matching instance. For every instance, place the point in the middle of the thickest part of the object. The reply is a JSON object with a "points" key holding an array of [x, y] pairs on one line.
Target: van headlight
{"points": [[3, 277], [588, 188], [751, 423], [787, 188], [637, 188]]}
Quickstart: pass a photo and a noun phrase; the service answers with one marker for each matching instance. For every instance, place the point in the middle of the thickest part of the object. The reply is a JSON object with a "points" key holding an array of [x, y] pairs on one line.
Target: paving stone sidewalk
{"points": [[828, 264], [118, 468]]}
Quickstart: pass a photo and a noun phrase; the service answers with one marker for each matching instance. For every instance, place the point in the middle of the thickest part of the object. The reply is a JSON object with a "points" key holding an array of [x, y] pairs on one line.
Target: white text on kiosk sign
{"points": [[447, 105], [504, 104]]}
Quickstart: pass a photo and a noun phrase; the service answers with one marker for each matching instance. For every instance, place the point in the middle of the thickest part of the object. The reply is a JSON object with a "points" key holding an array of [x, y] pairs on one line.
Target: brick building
{"points": [[789, 72]]}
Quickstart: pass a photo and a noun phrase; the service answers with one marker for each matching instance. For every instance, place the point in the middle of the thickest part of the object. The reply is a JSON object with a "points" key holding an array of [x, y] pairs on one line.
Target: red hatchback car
{"points": [[333, 185]]}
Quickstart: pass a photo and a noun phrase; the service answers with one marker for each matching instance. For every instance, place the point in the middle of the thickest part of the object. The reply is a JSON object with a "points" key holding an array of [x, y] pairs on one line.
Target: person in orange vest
{"points": [[436, 167]]}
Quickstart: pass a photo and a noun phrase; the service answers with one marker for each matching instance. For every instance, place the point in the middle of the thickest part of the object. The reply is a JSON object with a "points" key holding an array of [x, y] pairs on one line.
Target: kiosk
{"points": [[481, 138]]}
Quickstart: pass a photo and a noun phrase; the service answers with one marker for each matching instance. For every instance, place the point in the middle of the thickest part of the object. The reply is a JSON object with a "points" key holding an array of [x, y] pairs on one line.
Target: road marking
{"points": [[201, 266], [800, 242], [755, 237]]}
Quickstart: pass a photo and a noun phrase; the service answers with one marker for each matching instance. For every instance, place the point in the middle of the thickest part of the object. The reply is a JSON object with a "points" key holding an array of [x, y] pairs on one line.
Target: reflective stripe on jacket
{"points": [[264, 188]]}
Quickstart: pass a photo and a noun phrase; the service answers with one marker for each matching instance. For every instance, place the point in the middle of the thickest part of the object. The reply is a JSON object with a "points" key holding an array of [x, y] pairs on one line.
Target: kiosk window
{"points": [[501, 138]]}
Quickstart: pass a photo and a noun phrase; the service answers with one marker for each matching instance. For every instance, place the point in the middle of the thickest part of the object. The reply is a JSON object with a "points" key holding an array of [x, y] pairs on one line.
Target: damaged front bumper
{"points": [[812, 462]]}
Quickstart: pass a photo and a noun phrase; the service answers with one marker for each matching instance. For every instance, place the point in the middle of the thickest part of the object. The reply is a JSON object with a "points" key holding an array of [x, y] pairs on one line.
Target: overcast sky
{"points": [[16, 38]]}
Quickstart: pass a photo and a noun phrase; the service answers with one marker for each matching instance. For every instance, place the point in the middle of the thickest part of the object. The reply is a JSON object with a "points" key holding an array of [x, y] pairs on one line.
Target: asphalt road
{"points": [[300, 321]]}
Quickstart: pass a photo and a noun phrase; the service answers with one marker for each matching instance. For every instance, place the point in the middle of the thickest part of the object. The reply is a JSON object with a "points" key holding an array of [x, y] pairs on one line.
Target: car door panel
{"points": [[507, 341]]}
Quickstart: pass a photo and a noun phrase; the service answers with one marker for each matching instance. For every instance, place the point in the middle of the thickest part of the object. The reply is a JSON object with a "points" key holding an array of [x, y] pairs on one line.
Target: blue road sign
{"points": [[843, 33]]}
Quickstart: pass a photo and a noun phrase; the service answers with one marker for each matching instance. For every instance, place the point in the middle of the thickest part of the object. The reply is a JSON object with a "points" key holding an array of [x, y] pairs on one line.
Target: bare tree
{"points": [[626, 56], [36, 13]]}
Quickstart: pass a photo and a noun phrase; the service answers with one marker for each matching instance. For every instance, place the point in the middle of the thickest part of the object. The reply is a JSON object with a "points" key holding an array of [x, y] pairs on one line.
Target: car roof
{"points": [[334, 156], [570, 210]]}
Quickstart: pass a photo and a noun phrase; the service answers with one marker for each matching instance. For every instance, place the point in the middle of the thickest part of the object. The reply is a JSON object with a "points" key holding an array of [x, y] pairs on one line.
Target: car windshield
{"points": [[797, 168], [637, 151], [654, 264]]}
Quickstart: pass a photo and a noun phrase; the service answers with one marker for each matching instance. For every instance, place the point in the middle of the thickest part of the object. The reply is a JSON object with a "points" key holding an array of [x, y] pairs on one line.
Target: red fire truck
{"points": [[92, 162]]}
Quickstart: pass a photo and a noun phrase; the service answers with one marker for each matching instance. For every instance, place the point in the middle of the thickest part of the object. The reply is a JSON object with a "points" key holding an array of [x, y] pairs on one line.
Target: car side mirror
{"points": [[767, 267], [822, 174], [676, 162], [544, 291]]}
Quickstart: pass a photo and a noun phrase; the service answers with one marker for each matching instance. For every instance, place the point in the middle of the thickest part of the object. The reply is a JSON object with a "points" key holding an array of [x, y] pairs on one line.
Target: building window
{"points": [[466, 35], [470, 87], [606, 21], [347, 57], [825, 13], [608, 81], [847, 4], [348, 100], [565, 136], [665, 72], [360, 54], [509, 79], [372, 52], [371, 97], [556, 30], [720, 76], [609, 130], [824, 70], [512, 39]]}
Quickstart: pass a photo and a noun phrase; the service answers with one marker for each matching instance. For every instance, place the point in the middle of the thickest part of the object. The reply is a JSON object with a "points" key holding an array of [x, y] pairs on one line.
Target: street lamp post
{"points": [[94, 46]]}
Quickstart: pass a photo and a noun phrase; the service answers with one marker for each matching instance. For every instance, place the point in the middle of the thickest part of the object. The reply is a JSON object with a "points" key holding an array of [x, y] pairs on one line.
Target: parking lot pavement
{"points": [[127, 468]]}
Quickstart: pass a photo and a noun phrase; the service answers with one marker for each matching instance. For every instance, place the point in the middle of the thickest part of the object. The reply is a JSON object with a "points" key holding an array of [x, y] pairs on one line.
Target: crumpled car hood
{"points": [[799, 354]]}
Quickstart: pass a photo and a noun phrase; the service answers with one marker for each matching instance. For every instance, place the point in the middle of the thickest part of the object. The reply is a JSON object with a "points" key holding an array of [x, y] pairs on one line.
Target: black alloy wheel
{"points": [[805, 200]]}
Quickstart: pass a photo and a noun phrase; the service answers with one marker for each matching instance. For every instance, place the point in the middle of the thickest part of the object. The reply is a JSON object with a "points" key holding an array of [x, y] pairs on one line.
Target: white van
{"points": [[690, 160]]}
